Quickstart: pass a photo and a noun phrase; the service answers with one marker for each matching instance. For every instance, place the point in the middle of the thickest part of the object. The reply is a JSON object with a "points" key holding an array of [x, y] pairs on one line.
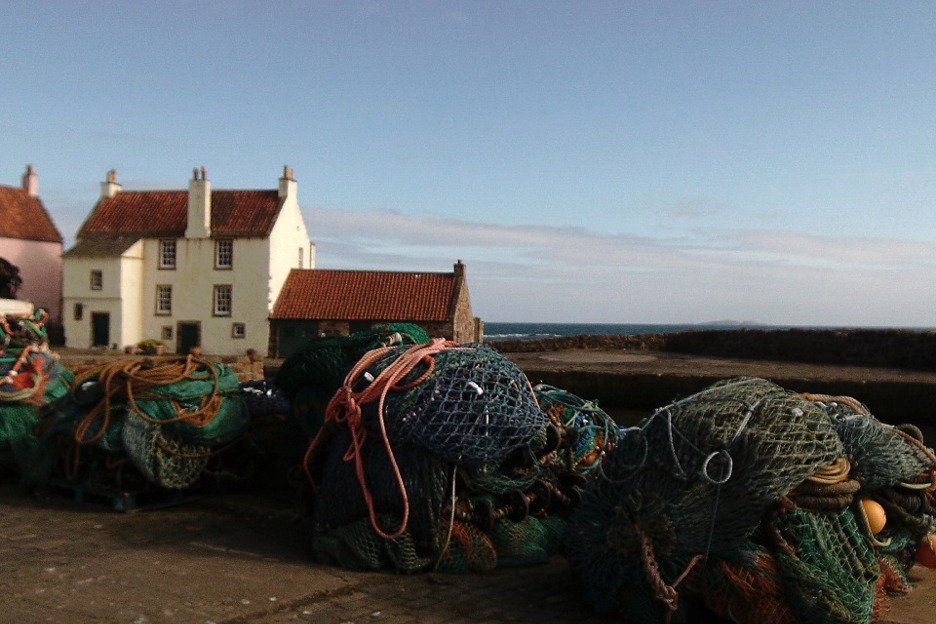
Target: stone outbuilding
{"points": [[324, 302]]}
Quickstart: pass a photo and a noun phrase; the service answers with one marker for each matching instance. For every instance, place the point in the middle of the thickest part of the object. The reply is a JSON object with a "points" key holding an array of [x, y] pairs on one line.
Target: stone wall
{"points": [[884, 348]]}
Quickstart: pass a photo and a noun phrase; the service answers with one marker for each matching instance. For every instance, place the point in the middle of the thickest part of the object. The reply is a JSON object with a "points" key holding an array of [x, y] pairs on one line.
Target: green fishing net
{"points": [[39, 386], [695, 478], [132, 422], [460, 471]]}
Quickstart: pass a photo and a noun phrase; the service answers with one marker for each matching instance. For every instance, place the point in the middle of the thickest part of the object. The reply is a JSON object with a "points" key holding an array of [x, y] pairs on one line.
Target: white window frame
{"points": [[238, 330], [167, 253], [222, 300], [224, 253], [163, 299]]}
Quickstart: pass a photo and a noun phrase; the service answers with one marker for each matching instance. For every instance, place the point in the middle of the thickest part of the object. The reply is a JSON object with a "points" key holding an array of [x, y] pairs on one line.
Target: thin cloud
{"points": [[538, 272]]}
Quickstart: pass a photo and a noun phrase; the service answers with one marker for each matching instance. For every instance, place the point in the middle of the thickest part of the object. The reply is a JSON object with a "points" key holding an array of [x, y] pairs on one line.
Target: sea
{"points": [[535, 331]]}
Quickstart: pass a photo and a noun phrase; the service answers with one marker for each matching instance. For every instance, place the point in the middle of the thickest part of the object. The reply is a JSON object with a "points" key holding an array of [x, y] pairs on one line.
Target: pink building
{"points": [[30, 241]]}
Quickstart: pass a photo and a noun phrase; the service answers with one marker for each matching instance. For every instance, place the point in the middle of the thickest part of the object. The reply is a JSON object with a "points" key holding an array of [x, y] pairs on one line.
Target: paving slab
{"points": [[241, 559]]}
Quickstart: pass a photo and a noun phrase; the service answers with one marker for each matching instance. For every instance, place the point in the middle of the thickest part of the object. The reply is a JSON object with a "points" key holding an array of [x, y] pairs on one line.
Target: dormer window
{"points": [[224, 253], [167, 254]]}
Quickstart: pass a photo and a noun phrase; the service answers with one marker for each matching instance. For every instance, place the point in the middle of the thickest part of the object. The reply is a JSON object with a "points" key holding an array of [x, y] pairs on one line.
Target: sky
{"points": [[588, 161]]}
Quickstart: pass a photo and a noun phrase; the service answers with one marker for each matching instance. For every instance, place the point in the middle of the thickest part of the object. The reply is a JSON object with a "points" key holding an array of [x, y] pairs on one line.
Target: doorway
{"points": [[100, 329], [189, 335]]}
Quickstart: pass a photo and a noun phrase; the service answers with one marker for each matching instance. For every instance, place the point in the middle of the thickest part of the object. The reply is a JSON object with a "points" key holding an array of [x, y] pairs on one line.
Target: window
{"points": [[163, 299], [300, 257], [224, 254], [167, 254], [166, 332], [97, 280], [222, 300], [239, 330], [79, 311]]}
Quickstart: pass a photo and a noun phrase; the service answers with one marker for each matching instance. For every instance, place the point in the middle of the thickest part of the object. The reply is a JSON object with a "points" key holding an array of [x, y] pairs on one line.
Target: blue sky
{"points": [[629, 162]]}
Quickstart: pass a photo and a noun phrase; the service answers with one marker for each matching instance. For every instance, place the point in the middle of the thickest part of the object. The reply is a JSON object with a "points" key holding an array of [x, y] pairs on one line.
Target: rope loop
{"points": [[728, 467]]}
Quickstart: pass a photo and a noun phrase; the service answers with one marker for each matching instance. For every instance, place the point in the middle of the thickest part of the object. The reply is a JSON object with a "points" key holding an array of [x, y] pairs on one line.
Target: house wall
{"points": [[77, 290], [193, 282], [40, 267], [288, 236], [464, 328], [130, 322]]}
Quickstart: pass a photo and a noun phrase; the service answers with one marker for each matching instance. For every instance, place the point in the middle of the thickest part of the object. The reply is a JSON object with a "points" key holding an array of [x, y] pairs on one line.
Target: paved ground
{"points": [[233, 559], [239, 559]]}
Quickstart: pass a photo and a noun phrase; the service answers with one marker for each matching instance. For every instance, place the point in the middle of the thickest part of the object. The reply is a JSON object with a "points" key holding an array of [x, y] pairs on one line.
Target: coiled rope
{"points": [[344, 409], [134, 380]]}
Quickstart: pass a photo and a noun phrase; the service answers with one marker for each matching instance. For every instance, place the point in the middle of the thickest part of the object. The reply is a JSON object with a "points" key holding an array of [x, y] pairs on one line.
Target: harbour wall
{"points": [[889, 397]]}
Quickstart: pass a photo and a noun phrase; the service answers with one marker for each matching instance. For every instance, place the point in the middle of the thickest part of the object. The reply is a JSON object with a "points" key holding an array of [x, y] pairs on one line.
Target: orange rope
{"points": [[662, 591], [853, 404], [345, 409], [131, 378]]}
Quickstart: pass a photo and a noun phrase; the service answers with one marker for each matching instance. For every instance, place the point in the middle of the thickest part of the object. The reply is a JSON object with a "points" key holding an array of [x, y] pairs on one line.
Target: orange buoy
{"points": [[926, 551], [874, 512]]}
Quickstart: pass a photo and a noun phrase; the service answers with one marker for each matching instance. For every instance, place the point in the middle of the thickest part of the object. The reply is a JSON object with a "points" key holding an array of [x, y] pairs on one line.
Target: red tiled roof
{"points": [[165, 213], [23, 216], [319, 294]]}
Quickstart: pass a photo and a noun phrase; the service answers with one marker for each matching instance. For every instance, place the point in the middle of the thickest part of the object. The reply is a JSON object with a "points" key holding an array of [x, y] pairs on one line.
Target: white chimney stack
{"points": [[110, 187], [287, 184], [199, 205], [31, 182]]}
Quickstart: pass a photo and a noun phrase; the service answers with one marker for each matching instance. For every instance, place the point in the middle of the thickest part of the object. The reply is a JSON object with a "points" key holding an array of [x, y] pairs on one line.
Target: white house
{"points": [[200, 267]]}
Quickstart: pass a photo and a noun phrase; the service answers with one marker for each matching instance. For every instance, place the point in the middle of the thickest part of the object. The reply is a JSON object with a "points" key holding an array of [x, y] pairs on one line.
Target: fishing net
{"points": [[882, 455], [309, 378], [18, 331], [895, 469], [829, 570], [694, 479], [357, 547], [594, 431], [468, 404], [168, 420], [424, 490], [32, 383], [438, 455]]}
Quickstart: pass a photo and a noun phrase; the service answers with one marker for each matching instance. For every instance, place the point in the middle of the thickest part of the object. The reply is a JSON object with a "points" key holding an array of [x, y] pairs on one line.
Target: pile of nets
{"points": [[141, 423], [32, 382], [745, 501], [438, 455], [307, 380], [895, 470]]}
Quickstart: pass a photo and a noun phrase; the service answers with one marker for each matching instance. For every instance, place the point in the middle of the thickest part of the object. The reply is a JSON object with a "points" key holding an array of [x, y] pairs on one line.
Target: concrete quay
{"points": [[234, 559], [239, 559]]}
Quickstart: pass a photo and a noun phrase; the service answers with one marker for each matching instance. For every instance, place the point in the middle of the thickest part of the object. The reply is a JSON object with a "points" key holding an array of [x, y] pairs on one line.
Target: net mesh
{"points": [[444, 448], [32, 384], [694, 478], [166, 421], [467, 403]]}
